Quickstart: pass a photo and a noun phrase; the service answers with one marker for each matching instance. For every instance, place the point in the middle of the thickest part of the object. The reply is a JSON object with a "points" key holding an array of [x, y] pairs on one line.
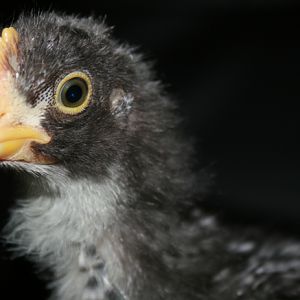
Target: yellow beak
{"points": [[13, 142]]}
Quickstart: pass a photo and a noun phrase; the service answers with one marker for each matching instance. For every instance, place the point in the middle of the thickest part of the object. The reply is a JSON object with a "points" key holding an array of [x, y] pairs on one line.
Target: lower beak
{"points": [[15, 140]]}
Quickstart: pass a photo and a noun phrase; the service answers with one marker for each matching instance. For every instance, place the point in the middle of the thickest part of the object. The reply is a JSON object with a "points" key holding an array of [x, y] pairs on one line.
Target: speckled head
{"points": [[42, 57]]}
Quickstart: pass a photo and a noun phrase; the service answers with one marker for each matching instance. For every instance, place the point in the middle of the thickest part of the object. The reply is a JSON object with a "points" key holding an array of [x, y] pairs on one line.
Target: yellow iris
{"points": [[73, 93]]}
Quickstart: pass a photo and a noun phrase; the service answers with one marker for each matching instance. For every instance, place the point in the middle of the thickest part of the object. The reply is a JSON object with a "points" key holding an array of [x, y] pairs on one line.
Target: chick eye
{"points": [[73, 93]]}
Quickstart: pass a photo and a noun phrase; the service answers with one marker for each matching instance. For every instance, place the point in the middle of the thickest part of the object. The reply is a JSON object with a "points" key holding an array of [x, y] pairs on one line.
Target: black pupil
{"points": [[74, 93]]}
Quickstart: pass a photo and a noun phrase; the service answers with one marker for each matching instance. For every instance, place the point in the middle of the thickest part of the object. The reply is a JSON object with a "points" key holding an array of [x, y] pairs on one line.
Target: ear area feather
{"points": [[120, 102]]}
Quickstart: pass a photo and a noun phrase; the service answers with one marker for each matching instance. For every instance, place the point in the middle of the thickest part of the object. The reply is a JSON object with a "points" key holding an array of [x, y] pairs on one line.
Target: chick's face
{"points": [[61, 85]]}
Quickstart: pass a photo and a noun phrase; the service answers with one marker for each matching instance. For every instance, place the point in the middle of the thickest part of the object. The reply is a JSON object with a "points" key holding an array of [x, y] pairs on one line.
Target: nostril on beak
{"points": [[2, 114]]}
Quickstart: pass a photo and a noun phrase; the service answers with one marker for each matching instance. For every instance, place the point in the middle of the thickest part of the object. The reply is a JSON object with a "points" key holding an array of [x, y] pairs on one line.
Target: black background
{"points": [[233, 66]]}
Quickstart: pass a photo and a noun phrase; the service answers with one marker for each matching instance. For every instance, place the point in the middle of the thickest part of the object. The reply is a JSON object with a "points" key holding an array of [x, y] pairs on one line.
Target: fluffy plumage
{"points": [[117, 215]]}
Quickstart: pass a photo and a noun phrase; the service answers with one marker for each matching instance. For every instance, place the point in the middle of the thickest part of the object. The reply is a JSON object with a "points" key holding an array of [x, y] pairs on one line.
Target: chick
{"points": [[111, 202]]}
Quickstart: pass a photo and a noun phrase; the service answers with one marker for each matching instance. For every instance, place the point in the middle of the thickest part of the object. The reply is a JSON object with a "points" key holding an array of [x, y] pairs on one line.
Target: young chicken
{"points": [[110, 196]]}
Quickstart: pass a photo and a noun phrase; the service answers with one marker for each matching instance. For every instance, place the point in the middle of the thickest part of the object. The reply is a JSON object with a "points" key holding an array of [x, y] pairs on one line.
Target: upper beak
{"points": [[15, 140]]}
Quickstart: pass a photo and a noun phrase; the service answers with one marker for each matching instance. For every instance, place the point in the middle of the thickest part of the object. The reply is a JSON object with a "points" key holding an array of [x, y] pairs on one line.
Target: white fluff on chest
{"points": [[54, 224]]}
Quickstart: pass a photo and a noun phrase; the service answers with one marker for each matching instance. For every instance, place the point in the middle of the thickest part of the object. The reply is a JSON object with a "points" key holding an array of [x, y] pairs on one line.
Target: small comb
{"points": [[9, 49]]}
